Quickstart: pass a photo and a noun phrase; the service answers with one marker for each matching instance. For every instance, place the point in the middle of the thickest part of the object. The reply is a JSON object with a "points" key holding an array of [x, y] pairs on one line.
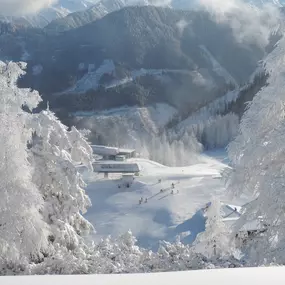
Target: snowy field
{"points": [[245, 276], [165, 215]]}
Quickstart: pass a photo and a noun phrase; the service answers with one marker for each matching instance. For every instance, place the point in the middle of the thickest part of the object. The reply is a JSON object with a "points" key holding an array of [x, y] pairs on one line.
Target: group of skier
{"points": [[141, 200], [161, 191]]}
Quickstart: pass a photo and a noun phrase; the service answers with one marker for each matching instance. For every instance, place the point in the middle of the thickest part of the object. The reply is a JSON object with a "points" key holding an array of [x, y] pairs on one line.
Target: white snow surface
{"points": [[91, 80], [244, 276], [165, 215], [153, 117]]}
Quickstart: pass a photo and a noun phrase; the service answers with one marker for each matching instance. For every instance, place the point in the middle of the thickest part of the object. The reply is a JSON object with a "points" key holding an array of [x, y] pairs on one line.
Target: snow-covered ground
{"points": [[244, 276], [165, 215], [91, 80], [128, 122]]}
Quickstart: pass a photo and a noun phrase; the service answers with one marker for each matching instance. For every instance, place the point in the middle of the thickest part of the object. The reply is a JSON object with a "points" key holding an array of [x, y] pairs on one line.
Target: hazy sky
{"points": [[20, 7], [249, 24]]}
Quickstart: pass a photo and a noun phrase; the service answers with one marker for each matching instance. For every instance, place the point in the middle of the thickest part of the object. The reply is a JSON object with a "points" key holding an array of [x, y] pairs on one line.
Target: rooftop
{"points": [[248, 226], [231, 214], [126, 150], [113, 162], [116, 167], [107, 150]]}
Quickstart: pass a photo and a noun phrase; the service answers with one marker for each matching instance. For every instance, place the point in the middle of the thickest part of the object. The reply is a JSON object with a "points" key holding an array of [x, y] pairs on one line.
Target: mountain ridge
{"points": [[143, 48], [61, 13], [104, 7]]}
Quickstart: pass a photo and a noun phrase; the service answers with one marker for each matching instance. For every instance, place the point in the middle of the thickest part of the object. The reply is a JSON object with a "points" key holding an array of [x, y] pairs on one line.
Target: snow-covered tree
{"points": [[23, 234], [54, 153], [120, 255], [215, 240], [172, 150], [220, 130], [258, 159]]}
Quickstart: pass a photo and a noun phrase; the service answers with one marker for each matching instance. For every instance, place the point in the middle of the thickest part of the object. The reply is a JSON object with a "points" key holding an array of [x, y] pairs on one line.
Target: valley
{"points": [[141, 135], [151, 58], [166, 215]]}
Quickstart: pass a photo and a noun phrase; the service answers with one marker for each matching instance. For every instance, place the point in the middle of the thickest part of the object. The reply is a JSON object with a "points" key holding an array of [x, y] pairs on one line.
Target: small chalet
{"points": [[231, 214]]}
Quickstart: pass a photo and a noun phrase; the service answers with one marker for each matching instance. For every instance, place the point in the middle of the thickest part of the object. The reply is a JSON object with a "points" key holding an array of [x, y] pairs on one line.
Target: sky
{"points": [[20, 7], [249, 24]]}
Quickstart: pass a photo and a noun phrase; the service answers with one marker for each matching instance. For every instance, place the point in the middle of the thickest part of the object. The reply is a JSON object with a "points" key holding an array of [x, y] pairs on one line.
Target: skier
{"points": [[172, 192], [159, 180], [172, 185], [145, 200], [161, 190]]}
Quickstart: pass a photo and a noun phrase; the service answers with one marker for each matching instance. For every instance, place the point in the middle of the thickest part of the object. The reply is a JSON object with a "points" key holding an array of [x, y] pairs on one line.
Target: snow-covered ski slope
{"points": [[244, 276], [166, 215]]}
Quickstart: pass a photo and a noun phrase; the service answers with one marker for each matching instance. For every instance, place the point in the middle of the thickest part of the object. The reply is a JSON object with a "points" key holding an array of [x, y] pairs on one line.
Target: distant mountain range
{"points": [[80, 18], [90, 10], [139, 56], [135, 55], [59, 10], [103, 7]]}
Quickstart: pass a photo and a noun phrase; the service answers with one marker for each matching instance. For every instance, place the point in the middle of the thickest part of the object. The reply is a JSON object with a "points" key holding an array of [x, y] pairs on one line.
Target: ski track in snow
{"points": [[165, 215], [220, 70]]}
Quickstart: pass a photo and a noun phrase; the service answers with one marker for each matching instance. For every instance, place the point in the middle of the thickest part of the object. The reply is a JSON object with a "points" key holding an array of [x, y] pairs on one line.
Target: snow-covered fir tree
{"points": [[54, 153], [23, 233], [42, 197], [215, 240], [171, 150]]}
